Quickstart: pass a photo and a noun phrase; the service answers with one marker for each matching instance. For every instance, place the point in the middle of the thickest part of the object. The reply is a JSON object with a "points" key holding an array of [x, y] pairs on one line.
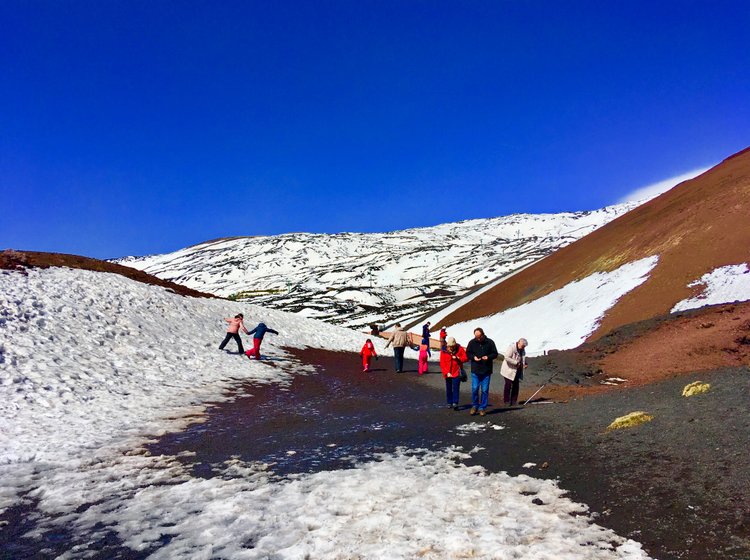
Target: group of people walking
{"points": [[237, 324], [480, 351]]}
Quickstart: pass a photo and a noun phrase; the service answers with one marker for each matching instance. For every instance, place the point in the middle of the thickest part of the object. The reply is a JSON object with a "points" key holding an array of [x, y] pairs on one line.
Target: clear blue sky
{"points": [[142, 126]]}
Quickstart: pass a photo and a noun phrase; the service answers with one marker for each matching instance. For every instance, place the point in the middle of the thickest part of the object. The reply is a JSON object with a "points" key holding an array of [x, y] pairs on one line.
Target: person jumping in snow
{"points": [[233, 331], [260, 331], [367, 353]]}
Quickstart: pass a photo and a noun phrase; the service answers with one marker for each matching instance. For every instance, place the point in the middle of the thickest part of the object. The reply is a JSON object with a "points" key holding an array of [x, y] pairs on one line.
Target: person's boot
{"points": [[473, 411]]}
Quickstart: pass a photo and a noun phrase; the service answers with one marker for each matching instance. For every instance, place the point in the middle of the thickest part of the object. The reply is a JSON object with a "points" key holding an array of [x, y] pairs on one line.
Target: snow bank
{"points": [[564, 318], [89, 360], [726, 284], [409, 504]]}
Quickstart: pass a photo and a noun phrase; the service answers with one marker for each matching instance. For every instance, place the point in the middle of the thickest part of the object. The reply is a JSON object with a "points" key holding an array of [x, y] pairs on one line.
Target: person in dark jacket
{"points": [[426, 332], [481, 351], [259, 332]]}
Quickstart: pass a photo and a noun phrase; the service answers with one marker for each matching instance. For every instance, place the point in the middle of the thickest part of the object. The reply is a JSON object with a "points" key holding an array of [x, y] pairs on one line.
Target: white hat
{"points": [[450, 341]]}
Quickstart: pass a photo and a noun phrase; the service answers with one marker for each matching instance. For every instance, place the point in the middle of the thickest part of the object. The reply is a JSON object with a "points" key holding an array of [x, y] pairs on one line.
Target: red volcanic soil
{"points": [[21, 260], [689, 343], [696, 227]]}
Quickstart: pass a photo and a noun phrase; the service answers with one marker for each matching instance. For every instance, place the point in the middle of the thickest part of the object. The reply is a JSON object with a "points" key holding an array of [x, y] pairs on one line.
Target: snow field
{"points": [[413, 503], [92, 365], [93, 360], [725, 284], [564, 318]]}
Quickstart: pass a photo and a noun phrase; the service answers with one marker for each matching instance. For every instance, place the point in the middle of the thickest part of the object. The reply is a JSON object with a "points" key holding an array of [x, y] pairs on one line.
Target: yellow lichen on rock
{"points": [[695, 388], [630, 420]]}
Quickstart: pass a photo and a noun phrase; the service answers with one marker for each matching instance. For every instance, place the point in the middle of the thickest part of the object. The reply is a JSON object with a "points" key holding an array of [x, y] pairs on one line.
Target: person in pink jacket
{"points": [[424, 353], [233, 331]]}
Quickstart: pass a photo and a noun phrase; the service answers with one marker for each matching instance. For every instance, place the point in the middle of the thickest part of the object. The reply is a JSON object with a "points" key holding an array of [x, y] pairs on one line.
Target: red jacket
{"points": [[449, 365], [368, 350]]}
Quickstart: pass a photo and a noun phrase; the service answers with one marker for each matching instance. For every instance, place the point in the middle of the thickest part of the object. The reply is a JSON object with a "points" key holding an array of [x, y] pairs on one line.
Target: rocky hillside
{"points": [[356, 279]]}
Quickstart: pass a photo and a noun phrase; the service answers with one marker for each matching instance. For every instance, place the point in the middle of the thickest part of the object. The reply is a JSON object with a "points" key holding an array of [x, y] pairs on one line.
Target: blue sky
{"points": [[135, 127]]}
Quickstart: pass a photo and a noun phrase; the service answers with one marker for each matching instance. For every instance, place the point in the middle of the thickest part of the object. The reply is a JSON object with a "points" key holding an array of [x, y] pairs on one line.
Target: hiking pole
{"points": [[540, 388]]}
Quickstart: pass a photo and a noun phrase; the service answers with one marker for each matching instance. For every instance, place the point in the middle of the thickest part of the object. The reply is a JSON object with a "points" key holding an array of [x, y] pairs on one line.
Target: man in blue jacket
{"points": [[481, 351], [259, 331]]}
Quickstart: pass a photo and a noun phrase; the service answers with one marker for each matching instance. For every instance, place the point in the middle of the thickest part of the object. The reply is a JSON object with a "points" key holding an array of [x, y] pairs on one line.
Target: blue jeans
{"points": [[398, 356], [452, 386], [480, 383]]}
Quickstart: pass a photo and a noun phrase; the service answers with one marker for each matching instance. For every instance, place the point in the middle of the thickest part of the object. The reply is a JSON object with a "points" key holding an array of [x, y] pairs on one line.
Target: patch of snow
{"points": [[409, 504], [725, 284], [564, 318], [644, 194], [476, 427], [529, 465]]}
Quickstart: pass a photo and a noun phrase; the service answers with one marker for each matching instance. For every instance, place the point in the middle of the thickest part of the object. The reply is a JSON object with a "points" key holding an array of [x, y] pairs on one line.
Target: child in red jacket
{"points": [[367, 353]]}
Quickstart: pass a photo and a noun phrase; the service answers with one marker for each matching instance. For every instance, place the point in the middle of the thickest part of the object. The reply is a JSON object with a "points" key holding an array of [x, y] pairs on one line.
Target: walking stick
{"points": [[540, 388]]}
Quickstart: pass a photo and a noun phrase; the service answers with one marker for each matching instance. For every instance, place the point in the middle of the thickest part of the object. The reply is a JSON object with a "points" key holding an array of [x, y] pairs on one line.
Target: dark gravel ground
{"points": [[678, 485]]}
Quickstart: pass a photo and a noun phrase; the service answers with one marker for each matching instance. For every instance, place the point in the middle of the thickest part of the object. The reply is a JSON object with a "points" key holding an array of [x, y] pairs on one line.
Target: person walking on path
{"points": [[512, 370], [452, 355], [233, 331], [443, 336], [424, 353], [367, 353], [481, 351], [259, 331], [426, 332], [399, 340]]}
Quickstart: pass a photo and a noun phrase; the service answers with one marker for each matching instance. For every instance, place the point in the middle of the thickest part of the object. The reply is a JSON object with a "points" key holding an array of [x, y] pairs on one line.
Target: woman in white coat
{"points": [[512, 370]]}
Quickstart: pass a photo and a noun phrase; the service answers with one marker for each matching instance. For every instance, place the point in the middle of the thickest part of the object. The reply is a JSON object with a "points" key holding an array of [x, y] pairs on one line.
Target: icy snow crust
{"points": [[564, 318], [92, 365], [410, 504], [726, 284]]}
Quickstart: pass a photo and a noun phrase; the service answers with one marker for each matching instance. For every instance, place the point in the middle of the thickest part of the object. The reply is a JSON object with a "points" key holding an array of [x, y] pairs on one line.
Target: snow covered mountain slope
{"points": [[698, 232], [355, 279]]}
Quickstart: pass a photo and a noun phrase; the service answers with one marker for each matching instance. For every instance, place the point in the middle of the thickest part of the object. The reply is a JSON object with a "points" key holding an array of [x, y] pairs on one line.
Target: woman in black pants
{"points": [[512, 370], [233, 331]]}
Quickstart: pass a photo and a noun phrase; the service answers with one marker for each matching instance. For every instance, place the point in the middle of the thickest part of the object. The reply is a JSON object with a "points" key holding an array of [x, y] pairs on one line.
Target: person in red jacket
{"points": [[443, 336], [452, 355], [367, 353]]}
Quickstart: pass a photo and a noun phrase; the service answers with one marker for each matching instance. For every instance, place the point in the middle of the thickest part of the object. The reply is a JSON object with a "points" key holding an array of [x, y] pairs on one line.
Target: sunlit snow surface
{"points": [[564, 318], [408, 504], [726, 284], [355, 279], [93, 365]]}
